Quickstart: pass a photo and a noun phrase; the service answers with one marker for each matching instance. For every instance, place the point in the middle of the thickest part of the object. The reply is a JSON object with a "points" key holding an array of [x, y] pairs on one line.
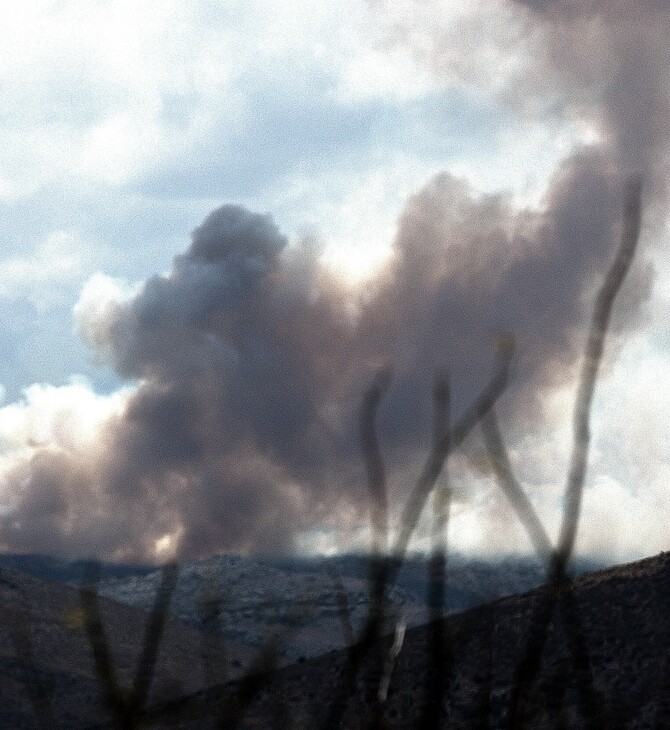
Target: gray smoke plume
{"points": [[612, 60], [251, 359], [601, 62], [251, 367]]}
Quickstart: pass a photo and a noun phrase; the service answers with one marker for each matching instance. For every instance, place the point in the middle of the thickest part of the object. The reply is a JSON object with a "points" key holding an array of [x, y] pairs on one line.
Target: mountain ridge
{"points": [[620, 617]]}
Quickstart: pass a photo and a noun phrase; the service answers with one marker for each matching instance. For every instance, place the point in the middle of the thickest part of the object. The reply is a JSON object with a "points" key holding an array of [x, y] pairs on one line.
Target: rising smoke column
{"points": [[249, 359]]}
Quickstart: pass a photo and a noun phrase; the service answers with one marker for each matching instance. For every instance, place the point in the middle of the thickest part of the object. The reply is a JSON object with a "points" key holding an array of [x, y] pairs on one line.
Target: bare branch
{"points": [[113, 696], [153, 634], [373, 461], [437, 676], [594, 350], [511, 487], [439, 452]]}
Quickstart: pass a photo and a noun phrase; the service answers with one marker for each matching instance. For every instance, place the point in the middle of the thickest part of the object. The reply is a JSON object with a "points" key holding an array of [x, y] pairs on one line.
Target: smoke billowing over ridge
{"points": [[250, 360], [241, 431]]}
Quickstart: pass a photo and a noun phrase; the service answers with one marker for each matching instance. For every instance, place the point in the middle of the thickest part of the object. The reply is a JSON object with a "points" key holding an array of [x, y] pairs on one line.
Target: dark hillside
{"points": [[45, 653], [60, 570], [605, 658]]}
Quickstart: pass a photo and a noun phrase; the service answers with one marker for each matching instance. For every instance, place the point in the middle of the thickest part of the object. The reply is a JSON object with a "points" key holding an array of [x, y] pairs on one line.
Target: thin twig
{"points": [[591, 364], [125, 705], [435, 462], [512, 489], [556, 571], [437, 673], [152, 637]]}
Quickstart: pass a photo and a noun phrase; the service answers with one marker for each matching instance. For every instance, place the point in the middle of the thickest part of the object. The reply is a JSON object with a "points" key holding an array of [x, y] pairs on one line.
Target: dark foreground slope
{"points": [[604, 663], [46, 660]]}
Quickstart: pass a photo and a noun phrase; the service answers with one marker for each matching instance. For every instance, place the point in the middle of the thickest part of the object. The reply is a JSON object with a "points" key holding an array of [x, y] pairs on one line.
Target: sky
{"points": [[222, 220]]}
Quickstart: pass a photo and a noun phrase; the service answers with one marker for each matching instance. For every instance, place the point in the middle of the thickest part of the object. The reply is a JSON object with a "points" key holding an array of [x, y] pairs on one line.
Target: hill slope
{"points": [[605, 655], [300, 598], [43, 643]]}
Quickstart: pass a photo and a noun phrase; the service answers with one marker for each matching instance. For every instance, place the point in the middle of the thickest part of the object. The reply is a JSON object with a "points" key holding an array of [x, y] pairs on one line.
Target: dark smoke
{"points": [[242, 429], [612, 60], [251, 359]]}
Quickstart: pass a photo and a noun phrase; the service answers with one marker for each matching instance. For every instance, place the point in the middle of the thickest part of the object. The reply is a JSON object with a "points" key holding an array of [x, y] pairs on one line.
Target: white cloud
{"points": [[49, 419], [46, 275], [96, 310], [442, 35], [68, 416]]}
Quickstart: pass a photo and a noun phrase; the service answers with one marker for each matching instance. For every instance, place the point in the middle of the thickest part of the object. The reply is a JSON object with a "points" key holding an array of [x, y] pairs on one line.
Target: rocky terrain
{"points": [[298, 602], [255, 603], [603, 663], [603, 653]]}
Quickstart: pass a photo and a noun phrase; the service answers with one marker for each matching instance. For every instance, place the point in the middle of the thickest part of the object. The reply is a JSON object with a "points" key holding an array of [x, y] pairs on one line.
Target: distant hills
{"points": [[61, 570], [299, 599], [250, 601], [47, 674], [227, 610], [603, 663]]}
